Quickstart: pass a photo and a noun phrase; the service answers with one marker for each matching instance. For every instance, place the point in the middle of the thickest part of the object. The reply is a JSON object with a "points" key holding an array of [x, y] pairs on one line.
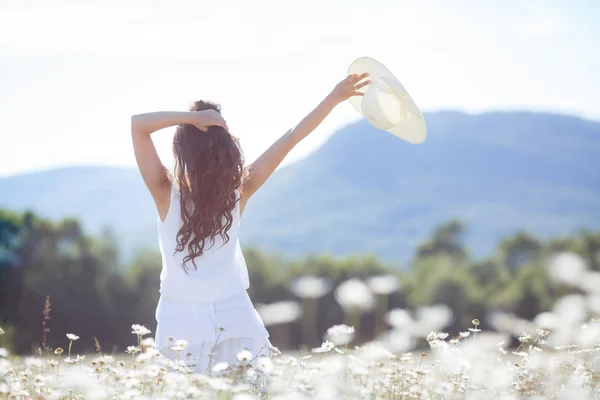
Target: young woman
{"points": [[203, 297]]}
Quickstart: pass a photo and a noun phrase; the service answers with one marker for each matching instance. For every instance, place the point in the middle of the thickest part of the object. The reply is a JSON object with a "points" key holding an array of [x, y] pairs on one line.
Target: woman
{"points": [[204, 279]]}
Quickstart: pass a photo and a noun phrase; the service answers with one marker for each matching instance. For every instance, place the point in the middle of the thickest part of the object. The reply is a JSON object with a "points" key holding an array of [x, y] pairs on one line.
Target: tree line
{"points": [[97, 297]]}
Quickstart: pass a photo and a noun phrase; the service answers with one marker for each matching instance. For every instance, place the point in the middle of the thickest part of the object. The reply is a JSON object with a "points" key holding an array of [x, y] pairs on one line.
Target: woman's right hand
{"points": [[205, 118]]}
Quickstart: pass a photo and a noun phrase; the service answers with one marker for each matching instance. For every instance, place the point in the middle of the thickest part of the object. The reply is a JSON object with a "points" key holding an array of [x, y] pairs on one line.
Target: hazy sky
{"points": [[72, 72]]}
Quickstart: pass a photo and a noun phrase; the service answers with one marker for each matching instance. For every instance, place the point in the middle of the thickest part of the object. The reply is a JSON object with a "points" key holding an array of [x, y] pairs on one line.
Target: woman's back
{"points": [[219, 272]]}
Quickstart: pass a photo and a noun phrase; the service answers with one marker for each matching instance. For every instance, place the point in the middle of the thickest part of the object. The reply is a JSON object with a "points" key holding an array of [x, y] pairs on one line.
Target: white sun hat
{"points": [[386, 104]]}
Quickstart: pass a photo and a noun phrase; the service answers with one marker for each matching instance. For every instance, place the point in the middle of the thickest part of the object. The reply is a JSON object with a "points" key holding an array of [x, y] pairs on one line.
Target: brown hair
{"points": [[209, 168]]}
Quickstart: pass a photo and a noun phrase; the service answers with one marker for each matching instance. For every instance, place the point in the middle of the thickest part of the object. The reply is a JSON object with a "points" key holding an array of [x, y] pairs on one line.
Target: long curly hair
{"points": [[209, 168]]}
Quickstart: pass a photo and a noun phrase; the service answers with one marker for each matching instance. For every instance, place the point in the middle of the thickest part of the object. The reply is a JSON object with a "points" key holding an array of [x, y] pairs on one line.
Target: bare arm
{"points": [[154, 173], [261, 169]]}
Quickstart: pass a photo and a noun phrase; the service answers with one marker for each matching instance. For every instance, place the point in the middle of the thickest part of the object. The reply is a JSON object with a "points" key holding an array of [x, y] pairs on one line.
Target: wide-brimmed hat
{"points": [[386, 104]]}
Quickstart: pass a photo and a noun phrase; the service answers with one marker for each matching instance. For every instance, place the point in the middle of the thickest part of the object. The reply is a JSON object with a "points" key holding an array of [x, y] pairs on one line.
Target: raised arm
{"points": [[154, 173], [261, 169]]}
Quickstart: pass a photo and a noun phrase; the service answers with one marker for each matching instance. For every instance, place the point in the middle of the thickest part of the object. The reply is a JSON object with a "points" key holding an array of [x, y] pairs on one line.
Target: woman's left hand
{"points": [[349, 87]]}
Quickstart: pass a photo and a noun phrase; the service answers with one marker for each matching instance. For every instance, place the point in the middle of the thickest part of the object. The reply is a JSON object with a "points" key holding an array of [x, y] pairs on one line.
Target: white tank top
{"points": [[221, 269]]}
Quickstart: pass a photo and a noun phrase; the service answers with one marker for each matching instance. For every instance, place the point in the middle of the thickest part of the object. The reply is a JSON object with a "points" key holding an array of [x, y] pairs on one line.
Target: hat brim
{"points": [[412, 128]]}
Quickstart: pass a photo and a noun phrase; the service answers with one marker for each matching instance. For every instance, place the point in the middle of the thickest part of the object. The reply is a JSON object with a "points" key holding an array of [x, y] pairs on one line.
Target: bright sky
{"points": [[73, 72]]}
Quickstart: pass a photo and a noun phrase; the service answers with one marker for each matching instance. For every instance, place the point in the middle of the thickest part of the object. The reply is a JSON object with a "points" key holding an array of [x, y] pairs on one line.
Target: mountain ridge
{"points": [[365, 191]]}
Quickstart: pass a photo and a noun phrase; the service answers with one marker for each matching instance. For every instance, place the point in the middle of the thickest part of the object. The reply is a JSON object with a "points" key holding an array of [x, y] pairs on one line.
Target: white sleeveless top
{"points": [[221, 269]]}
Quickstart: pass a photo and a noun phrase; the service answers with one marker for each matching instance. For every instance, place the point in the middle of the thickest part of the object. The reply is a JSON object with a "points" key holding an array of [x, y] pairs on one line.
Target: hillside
{"points": [[365, 191]]}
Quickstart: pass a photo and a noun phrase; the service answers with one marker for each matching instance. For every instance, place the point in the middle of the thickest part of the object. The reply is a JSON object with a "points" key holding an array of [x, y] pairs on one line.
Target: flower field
{"points": [[554, 356]]}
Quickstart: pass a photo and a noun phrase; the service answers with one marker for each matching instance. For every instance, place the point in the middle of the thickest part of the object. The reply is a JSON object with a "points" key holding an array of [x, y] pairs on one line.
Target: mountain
{"points": [[365, 191], [101, 197]]}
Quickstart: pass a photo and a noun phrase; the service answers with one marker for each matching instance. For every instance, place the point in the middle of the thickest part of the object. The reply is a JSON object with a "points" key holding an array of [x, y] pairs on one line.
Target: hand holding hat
{"points": [[349, 87], [385, 103]]}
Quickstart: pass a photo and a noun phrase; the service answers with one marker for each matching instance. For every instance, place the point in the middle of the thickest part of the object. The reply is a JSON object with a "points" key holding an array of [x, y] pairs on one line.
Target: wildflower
{"points": [[340, 330], [265, 365], [340, 334], [77, 360], [326, 347], [180, 345], [432, 318], [521, 354], [590, 282], [436, 336], [72, 337], [524, 338], [147, 355], [571, 309], [399, 318], [354, 295], [310, 287], [437, 344], [139, 330], [465, 335], [565, 347], [58, 351], [383, 284], [593, 303], [132, 350], [474, 330], [542, 332], [104, 360], [547, 321], [568, 268], [503, 322], [244, 356], [220, 367], [400, 341], [281, 312], [148, 342], [589, 336]]}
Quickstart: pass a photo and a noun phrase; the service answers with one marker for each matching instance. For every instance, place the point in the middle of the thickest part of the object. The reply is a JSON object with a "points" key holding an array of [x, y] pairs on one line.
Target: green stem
{"points": [[353, 317], [382, 308], [212, 351]]}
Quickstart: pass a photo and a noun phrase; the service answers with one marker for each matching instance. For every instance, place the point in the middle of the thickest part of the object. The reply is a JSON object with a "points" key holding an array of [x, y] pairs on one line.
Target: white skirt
{"points": [[215, 332]]}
